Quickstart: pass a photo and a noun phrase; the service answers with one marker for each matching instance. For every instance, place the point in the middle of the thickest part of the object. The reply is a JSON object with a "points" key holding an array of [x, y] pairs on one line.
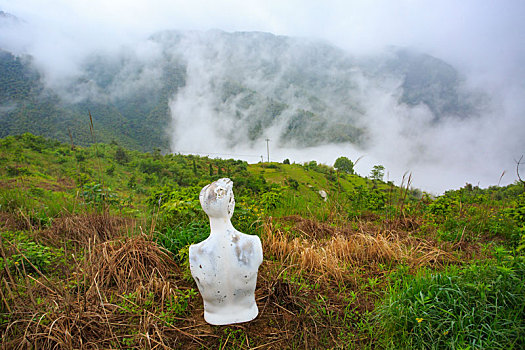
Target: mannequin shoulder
{"points": [[251, 239], [255, 243], [197, 248], [255, 239]]}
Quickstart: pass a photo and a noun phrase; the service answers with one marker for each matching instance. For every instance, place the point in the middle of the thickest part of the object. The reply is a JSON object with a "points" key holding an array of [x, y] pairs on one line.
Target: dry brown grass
{"points": [[83, 230], [96, 322], [90, 308], [127, 263], [333, 251], [117, 291], [10, 221]]}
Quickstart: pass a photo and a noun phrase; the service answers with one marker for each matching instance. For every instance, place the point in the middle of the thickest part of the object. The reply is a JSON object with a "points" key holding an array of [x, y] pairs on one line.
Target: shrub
{"points": [[294, 184], [111, 170], [442, 206], [17, 171], [177, 205], [150, 166], [80, 156], [366, 199], [271, 199], [96, 195], [312, 165], [121, 156]]}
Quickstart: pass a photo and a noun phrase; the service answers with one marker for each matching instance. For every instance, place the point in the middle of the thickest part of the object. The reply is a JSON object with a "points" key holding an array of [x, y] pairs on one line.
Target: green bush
{"points": [[177, 206], [246, 215], [517, 214], [364, 198], [442, 206], [481, 307], [174, 239], [96, 195], [271, 199], [121, 156], [292, 183], [17, 171]]}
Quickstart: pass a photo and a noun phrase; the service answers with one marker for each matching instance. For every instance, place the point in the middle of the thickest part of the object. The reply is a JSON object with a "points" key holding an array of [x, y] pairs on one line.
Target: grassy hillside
{"points": [[94, 247]]}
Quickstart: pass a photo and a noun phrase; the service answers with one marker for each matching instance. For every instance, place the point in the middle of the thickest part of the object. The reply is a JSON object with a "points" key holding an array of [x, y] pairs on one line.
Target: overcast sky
{"points": [[480, 35]]}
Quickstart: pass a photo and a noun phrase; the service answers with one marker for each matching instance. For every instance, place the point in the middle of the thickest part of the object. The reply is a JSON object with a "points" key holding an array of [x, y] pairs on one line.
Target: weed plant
{"points": [[22, 255]]}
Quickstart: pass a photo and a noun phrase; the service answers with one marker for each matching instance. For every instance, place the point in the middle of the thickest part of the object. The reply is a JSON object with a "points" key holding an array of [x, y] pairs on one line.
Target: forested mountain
{"points": [[238, 86], [27, 105]]}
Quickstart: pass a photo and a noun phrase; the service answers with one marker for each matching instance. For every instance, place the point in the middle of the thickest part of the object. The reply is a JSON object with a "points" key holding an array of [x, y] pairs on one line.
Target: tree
{"points": [[377, 173], [121, 156], [344, 164], [157, 153]]}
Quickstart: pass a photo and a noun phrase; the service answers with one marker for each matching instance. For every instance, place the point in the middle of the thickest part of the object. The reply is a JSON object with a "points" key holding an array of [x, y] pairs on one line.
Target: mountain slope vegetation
{"points": [[94, 248], [236, 86]]}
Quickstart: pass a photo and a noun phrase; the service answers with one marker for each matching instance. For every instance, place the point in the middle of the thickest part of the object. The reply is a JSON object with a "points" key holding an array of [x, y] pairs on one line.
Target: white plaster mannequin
{"points": [[225, 265]]}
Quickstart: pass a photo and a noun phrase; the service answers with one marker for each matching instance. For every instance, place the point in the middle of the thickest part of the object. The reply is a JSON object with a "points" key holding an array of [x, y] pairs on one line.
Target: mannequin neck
{"points": [[219, 226]]}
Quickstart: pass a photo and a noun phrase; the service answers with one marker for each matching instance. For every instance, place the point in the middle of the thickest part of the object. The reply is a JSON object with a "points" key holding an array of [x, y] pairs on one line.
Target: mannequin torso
{"points": [[224, 267]]}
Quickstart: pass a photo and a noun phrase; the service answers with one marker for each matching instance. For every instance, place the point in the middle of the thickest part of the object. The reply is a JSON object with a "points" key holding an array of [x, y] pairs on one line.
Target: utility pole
{"points": [[268, 149]]}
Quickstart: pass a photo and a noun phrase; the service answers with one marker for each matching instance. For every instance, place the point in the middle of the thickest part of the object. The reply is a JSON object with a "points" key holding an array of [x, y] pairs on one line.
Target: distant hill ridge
{"points": [[243, 84]]}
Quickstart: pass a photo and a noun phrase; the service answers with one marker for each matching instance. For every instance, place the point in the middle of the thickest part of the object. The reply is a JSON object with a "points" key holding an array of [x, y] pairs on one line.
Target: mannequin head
{"points": [[217, 199]]}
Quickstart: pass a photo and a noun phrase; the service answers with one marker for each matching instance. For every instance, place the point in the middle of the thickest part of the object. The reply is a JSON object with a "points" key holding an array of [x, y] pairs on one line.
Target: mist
{"points": [[403, 138], [482, 40]]}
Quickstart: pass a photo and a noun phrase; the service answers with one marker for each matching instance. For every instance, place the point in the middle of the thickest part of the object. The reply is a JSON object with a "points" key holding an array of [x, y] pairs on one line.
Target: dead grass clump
{"points": [[126, 291], [17, 220], [83, 229], [101, 320], [405, 223], [10, 221], [310, 228], [127, 263], [347, 248]]}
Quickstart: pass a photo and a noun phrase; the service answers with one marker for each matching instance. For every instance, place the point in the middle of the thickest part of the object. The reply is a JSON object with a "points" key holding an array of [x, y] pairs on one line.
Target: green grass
{"points": [[176, 238], [320, 177], [376, 304], [479, 307]]}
